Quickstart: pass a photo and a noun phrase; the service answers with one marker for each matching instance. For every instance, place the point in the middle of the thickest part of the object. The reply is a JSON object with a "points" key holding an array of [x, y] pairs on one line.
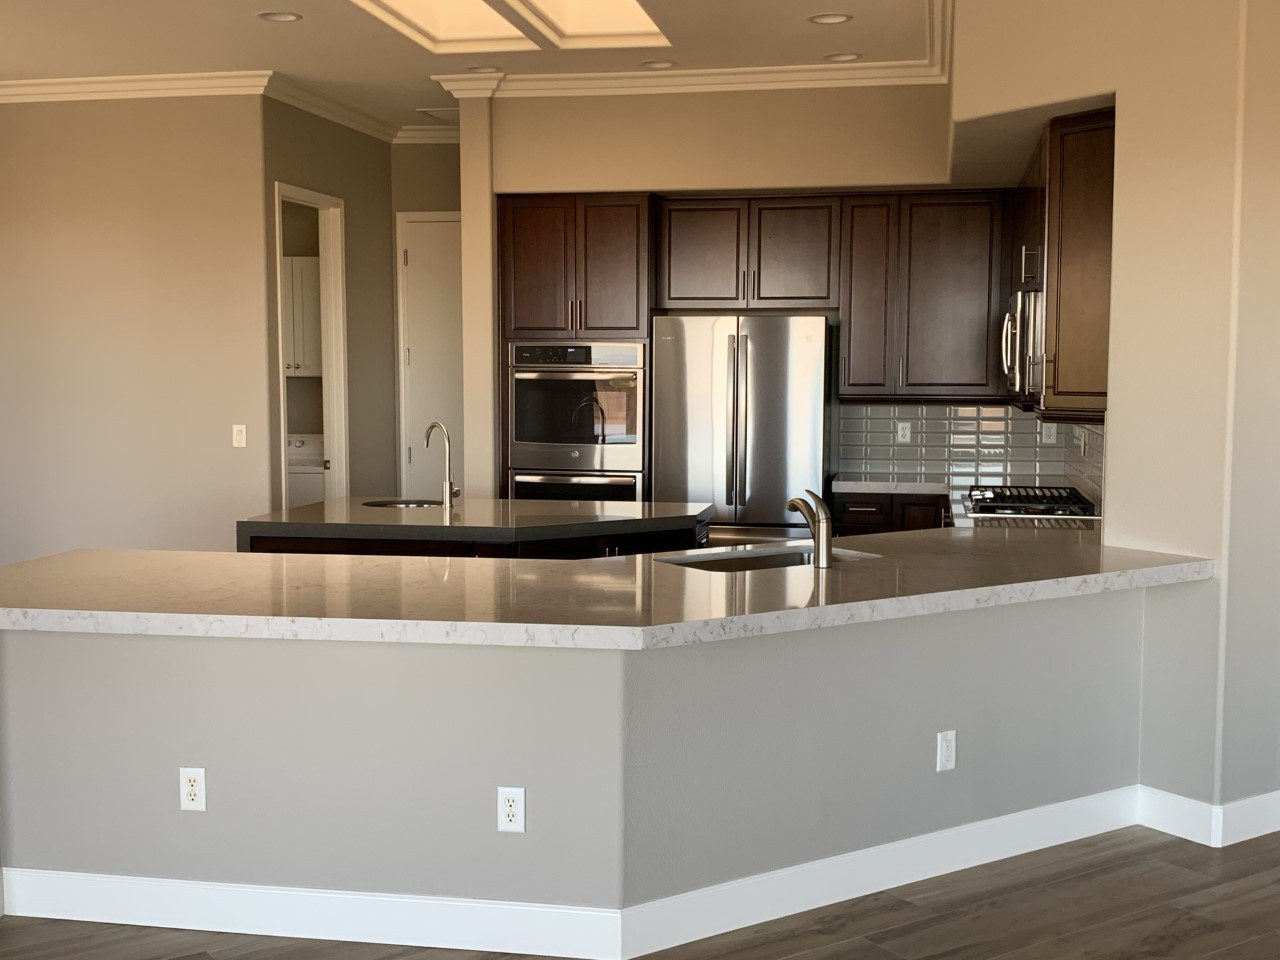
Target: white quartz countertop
{"points": [[617, 603]]}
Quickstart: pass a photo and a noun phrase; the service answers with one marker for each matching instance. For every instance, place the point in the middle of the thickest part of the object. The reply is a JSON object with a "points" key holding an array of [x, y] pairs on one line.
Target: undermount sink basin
{"points": [[737, 561], [403, 503]]}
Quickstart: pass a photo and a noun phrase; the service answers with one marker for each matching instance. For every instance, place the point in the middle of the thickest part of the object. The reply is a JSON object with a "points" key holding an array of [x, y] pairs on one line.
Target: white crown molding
{"points": [[469, 85], [427, 134], [280, 87], [228, 84], [145, 87]]}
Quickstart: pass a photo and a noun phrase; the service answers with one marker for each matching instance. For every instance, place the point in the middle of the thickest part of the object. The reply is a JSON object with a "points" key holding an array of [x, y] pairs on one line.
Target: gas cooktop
{"points": [[1030, 501]]}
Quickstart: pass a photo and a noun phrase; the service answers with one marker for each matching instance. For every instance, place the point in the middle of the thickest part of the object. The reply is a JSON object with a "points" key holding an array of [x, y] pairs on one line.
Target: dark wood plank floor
{"points": [[1126, 895]]}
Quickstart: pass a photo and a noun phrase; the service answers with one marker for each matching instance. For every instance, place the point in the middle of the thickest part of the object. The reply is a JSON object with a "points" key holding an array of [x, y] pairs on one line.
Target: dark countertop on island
{"points": [[474, 520]]}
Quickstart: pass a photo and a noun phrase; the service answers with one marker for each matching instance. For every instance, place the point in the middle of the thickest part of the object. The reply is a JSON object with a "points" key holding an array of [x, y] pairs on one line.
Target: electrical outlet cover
{"points": [[191, 789], [946, 750], [903, 431], [511, 809]]}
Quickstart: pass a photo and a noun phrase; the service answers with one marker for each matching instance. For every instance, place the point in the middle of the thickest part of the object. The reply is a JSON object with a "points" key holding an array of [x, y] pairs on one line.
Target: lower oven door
{"points": [[575, 486]]}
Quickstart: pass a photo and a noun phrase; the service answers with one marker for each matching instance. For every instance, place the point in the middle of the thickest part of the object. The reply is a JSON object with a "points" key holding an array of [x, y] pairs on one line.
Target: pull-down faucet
{"points": [[819, 519], [449, 490]]}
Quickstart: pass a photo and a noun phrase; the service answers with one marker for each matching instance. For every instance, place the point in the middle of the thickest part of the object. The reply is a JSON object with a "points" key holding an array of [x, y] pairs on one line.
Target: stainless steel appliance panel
{"points": [[577, 406], [695, 411], [781, 366], [587, 486]]}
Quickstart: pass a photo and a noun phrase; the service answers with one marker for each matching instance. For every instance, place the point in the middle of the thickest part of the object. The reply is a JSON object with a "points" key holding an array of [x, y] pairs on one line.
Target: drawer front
{"points": [[863, 510]]}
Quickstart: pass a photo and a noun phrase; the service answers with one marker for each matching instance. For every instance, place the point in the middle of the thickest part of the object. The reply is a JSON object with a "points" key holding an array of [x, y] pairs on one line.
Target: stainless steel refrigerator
{"points": [[738, 413]]}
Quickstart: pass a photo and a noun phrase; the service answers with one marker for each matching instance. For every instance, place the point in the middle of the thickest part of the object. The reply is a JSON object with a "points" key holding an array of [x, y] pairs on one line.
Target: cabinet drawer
{"points": [[863, 509]]}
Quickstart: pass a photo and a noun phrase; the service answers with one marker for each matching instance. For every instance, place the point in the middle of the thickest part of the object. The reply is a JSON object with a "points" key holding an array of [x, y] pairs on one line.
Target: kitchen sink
{"points": [[402, 503], [737, 561]]}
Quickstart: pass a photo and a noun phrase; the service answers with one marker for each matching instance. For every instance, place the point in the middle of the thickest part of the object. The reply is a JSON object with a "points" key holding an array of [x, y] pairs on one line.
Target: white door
{"points": [[430, 293]]}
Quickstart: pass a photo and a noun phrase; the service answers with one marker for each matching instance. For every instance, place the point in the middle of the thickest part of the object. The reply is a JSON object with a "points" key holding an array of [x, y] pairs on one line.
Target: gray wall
{"points": [[752, 755], [132, 329], [374, 766], [306, 151], [425, 176], [345, 766]]}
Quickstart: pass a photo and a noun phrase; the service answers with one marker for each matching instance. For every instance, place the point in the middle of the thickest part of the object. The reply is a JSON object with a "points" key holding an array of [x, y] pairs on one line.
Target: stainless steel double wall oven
{"points": [[576, 421]]}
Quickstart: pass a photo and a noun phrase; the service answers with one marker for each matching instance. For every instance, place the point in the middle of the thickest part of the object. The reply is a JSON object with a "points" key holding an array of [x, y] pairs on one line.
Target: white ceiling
{"points": [[348, 55]]}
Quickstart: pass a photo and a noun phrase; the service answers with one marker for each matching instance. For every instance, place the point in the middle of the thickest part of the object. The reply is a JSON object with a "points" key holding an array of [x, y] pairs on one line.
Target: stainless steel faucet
{"points": [[449, 490], [819, 519]]}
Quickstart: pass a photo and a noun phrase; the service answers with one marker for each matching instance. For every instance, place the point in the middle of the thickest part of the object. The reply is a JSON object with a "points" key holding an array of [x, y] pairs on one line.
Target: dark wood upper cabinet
{"points": [[702, 259], [537, 266], [868, 295], [950, 295], [613, 266], [574, 266], [740, 254], [1026, 249], [794, 253], [1081, 162]]}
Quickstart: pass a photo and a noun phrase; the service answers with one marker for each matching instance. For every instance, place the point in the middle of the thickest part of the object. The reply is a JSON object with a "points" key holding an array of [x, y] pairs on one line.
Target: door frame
{"points": [[333, 335], [402, 400]]}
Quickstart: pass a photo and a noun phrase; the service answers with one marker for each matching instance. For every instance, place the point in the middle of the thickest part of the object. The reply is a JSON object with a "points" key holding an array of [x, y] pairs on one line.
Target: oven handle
{"points": [[566, 375], [602, 481]]}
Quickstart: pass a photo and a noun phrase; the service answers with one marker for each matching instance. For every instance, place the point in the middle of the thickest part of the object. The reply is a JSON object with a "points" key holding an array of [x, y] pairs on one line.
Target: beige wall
{"points": [[1172, 253], [132, 329], [306, 151], [1251, 704], [762, 139], [425, 176]]}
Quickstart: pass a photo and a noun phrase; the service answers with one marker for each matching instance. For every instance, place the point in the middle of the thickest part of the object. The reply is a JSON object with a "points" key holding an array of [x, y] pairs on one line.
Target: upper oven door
{"points": [[578, 419]]}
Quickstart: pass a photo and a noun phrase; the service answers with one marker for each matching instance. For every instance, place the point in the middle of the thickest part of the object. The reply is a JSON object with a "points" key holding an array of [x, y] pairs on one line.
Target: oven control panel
{"points": [[577, 354]]}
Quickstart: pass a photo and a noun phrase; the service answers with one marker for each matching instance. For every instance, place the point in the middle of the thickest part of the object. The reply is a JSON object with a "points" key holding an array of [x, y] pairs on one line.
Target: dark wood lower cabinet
{"points": [[858, 513]]}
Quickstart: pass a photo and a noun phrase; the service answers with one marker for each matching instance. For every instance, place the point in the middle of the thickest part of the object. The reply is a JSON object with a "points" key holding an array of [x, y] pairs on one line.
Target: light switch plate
{"points": [[238, 435]]}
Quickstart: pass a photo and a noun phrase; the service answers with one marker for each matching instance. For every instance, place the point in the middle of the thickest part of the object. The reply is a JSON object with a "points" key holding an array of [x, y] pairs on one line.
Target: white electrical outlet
{"points": [[191, 792], [904, 431], [946, 750], [511, 809], [238, 435], [1048, 433]]}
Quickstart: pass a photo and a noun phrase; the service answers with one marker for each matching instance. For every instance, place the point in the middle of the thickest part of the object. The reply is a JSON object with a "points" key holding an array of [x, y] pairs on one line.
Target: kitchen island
{"points": [[559, 529], [356, 714]]}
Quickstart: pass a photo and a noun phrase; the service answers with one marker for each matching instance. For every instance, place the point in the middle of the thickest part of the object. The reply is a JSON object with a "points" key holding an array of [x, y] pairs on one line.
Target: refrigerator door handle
{"points": [[744, 414], [731, 379]]}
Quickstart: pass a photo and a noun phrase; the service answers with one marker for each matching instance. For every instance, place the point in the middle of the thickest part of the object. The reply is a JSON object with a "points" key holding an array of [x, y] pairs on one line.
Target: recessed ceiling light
{"points": [[830, 18], [658, 64], [280, 16], [842, 57], [482, 69]]}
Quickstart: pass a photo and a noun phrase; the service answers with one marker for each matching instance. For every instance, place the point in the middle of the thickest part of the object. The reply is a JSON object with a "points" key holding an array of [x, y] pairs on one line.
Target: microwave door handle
{"points": [[1004, 343]]}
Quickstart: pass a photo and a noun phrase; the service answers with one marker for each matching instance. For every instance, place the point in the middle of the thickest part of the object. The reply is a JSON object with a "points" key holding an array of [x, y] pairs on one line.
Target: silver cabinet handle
{"points": [[755, 284], [581, 314], [731, 380], [863, 509], [744, 285], [902, 371]]}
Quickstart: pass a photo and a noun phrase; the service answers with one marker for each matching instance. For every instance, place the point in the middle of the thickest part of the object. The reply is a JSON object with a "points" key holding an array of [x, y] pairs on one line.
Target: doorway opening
{"points": [[311, 312]]}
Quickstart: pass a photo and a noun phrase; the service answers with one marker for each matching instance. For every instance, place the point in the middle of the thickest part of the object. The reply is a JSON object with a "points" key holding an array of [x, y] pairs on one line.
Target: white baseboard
{"points": [[485, 925], [739, 903], [604, 934]]}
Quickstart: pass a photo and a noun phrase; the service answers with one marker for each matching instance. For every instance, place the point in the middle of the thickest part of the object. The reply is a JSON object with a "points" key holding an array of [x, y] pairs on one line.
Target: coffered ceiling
{"points": [[377, 58]]}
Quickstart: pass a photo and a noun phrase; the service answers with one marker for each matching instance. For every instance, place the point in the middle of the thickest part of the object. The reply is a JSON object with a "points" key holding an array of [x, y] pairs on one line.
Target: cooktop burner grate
{"points": [[1053, 501]]}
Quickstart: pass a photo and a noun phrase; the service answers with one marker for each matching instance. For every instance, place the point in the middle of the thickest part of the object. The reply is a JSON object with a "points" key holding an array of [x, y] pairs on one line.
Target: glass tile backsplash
{"points": [[962, 445]]}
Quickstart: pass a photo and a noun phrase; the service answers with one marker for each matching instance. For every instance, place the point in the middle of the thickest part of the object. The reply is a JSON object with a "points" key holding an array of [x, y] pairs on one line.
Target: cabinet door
{"points": [[1026, 251], [288, 283], [307, 354], [923, 512], [537, 266], [703, 256], [951, 290], [868, 295], [794, 253], [613, 266], [1078, 280]]}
